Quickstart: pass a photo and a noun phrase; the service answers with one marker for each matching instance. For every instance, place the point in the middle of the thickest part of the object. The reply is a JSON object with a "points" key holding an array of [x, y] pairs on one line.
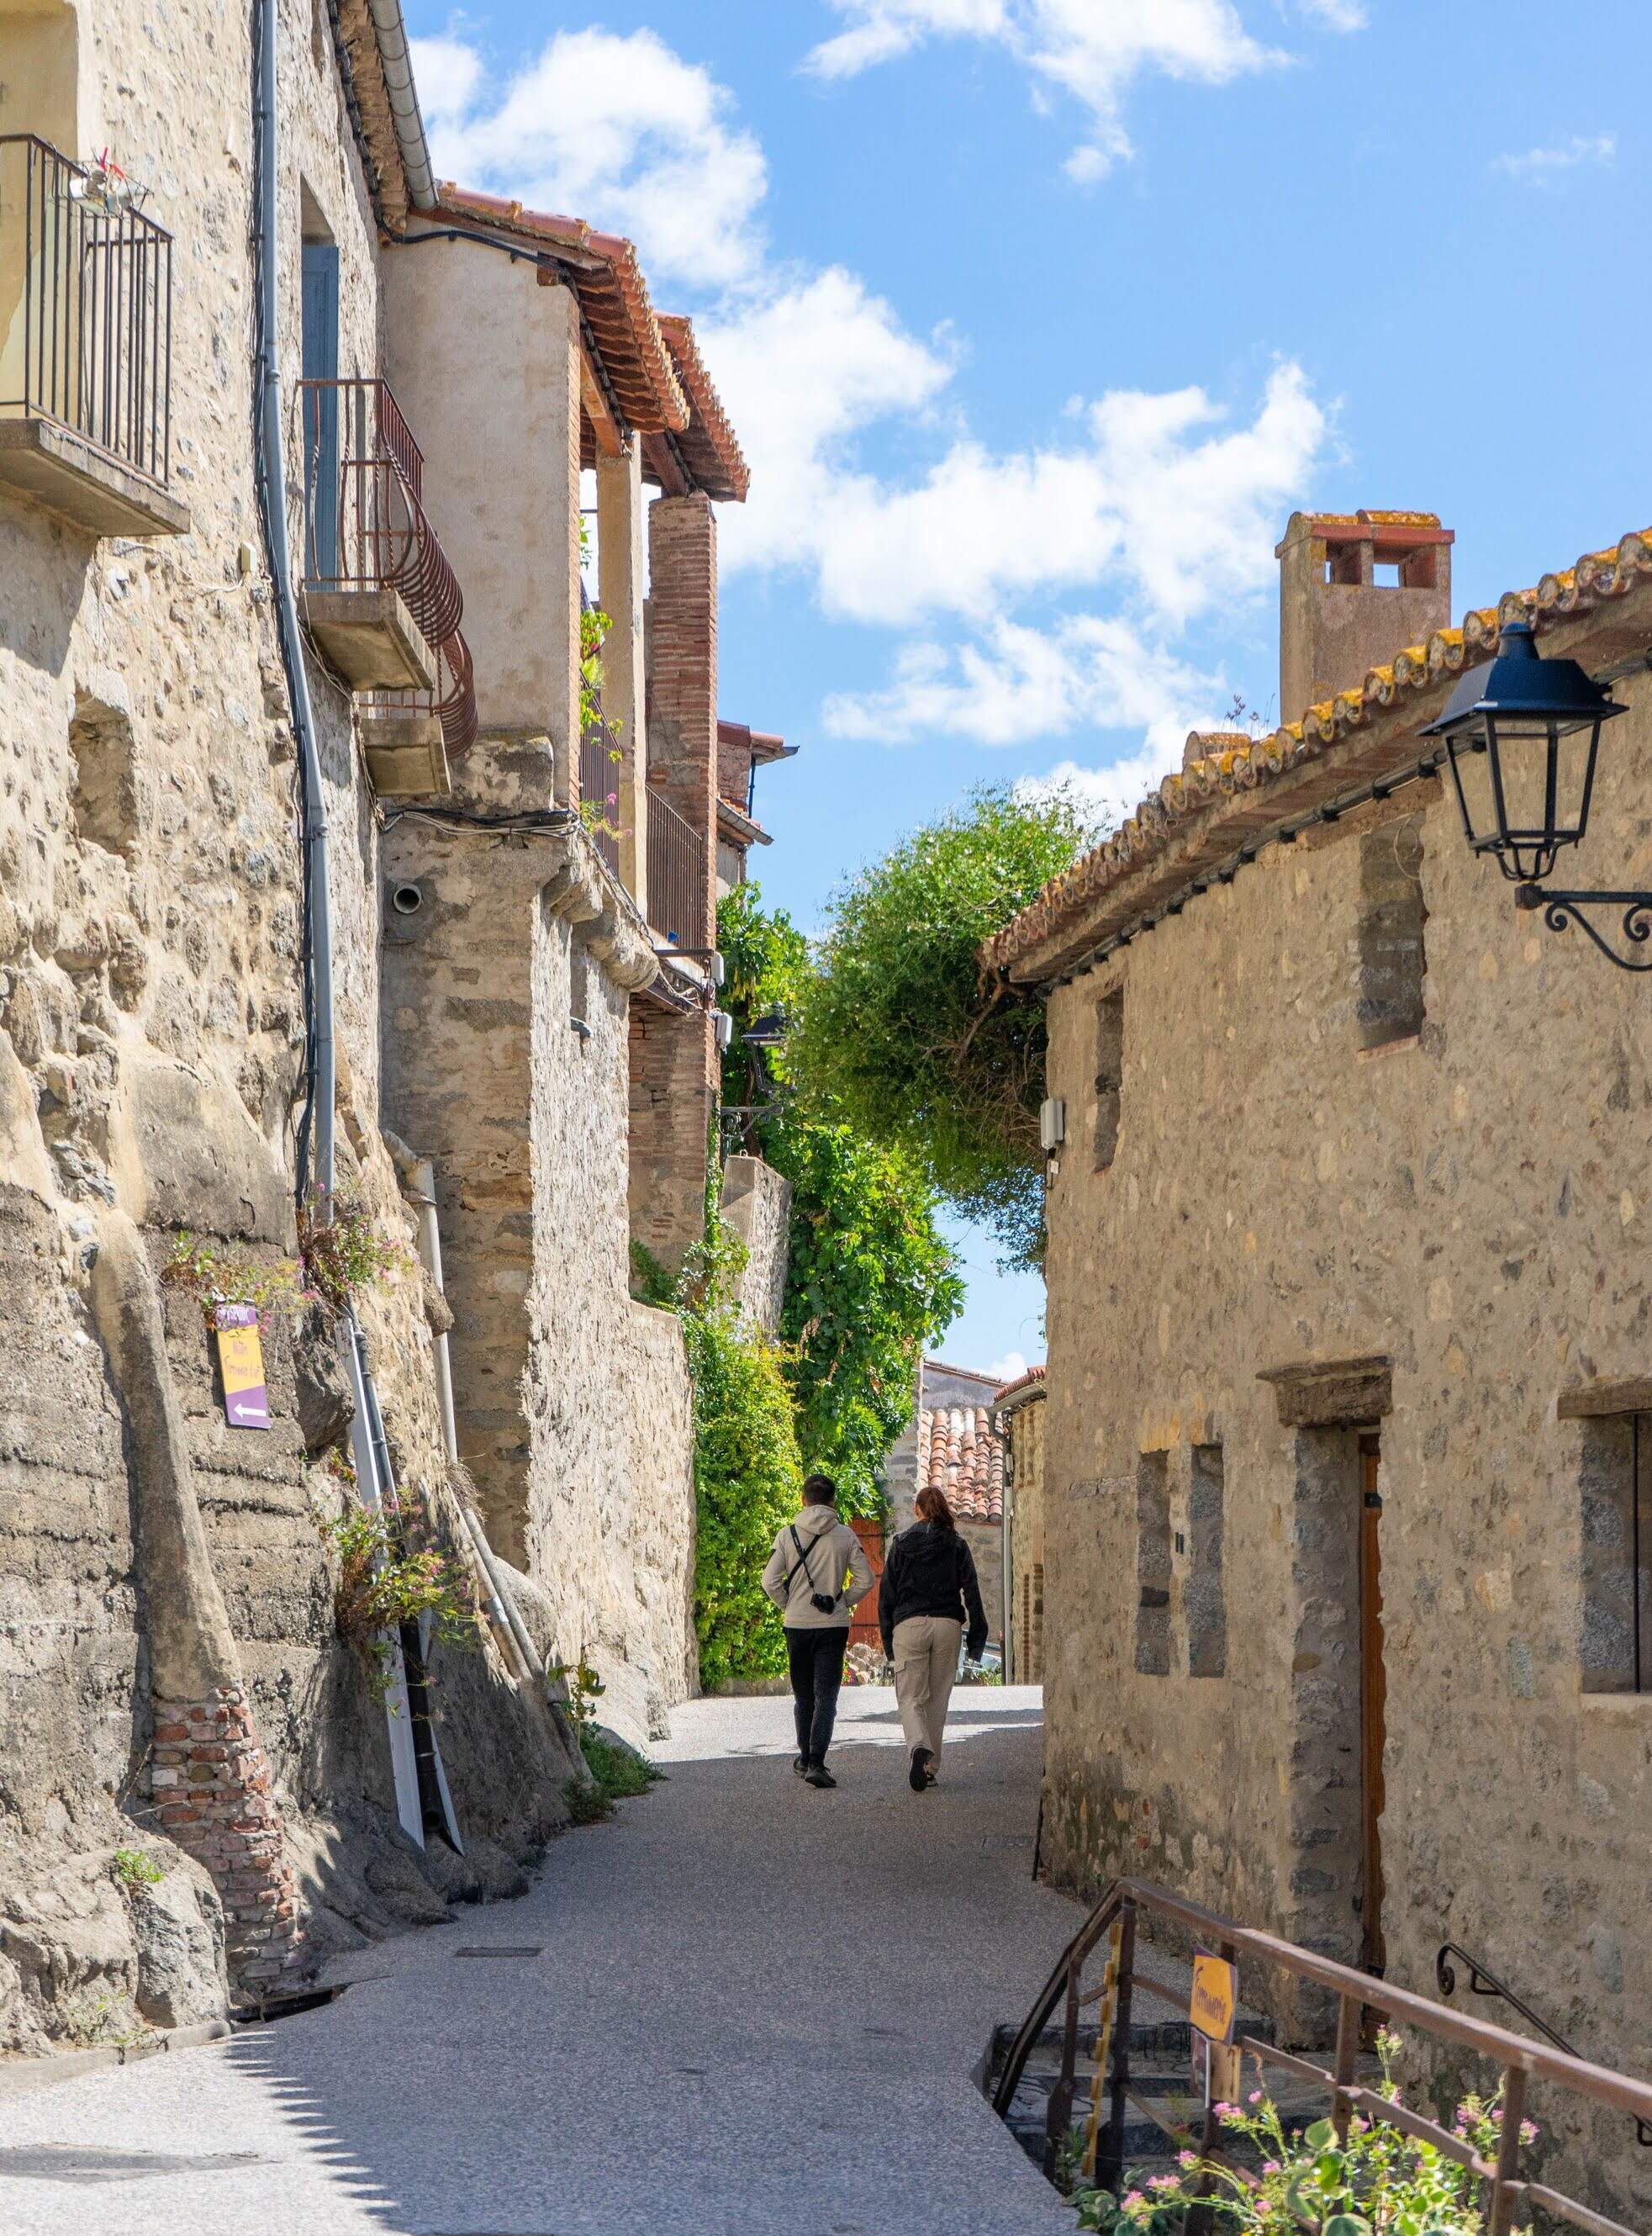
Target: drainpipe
{"points": [[410, 142], [315, 1155]]}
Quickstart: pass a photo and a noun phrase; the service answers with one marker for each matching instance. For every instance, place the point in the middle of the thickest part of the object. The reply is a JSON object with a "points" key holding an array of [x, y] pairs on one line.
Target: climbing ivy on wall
{"points": [[869, 1281]]}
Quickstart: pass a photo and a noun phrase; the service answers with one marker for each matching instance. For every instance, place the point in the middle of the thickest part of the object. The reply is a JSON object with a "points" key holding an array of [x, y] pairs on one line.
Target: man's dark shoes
{"points": [[919, 1777], [817, 1774], [799, 1765]]}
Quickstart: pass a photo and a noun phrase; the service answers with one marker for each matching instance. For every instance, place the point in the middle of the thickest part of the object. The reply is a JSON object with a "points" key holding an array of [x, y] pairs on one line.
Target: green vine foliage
{"points": [[898, 1035], [748, 1477], [870, 1282], [390, 1572]]}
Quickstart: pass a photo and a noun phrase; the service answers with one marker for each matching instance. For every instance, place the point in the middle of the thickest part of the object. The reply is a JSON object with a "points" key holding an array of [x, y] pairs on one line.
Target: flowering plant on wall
{"points": [[1377, 2181]]}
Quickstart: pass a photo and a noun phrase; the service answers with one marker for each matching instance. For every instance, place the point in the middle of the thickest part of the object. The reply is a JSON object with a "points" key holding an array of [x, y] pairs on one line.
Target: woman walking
{"points": [[929, 1586], [817, 1575]]}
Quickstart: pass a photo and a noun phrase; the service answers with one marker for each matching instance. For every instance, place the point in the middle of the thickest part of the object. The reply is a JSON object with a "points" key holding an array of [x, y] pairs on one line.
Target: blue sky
{"points": [[1037, 317]]}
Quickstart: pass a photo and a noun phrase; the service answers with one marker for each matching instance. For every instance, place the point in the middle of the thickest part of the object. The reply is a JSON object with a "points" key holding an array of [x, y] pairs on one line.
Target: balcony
{"points": [[380, 599], [85, 346], [676, 877], [601, 761]]}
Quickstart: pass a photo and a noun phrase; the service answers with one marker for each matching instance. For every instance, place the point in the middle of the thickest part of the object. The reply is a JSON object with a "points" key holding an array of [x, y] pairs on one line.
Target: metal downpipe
{"points": [[315, 1159]]}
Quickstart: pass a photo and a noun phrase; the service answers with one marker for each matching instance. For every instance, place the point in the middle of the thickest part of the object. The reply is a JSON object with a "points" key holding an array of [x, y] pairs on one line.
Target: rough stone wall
{"points": [[674, 1078], [572, 1400], [151, 1015], [756, 1204], [1471, 1203]]}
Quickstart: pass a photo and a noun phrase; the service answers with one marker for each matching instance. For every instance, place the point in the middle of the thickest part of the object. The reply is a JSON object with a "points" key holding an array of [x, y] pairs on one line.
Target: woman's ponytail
{"points": [[933, 1507]]}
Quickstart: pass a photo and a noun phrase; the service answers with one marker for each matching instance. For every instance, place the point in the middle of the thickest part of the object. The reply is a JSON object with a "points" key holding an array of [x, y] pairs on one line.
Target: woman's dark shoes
{"points": [[920, 1777], [817, 1774], [799, 1765]]}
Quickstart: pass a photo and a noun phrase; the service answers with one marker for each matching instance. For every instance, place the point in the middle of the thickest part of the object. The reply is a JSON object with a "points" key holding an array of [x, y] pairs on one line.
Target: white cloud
{"points": [[1010, 1368], [1093, 50], [1542, 164], [866, 480], [1339, 15], [1017, 682], [1158, 494], [622, 131]]}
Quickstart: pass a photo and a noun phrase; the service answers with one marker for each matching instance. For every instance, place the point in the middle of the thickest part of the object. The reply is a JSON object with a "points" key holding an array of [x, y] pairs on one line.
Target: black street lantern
{"points": [[768, 1031], [1522, 733]]}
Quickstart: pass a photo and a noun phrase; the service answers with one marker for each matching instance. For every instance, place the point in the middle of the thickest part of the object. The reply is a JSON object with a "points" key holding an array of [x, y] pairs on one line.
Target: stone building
{"points": [[1018, 1416], [951, 1444], [518, 1070], [1347, 1528]]}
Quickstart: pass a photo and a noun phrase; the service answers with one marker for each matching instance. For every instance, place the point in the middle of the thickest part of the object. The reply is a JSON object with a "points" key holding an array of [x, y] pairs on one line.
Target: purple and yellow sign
{"points": [[241, 1358]]}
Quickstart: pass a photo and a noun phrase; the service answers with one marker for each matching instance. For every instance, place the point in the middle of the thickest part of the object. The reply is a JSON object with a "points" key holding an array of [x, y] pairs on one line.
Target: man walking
{"points": [[817, 1575]]}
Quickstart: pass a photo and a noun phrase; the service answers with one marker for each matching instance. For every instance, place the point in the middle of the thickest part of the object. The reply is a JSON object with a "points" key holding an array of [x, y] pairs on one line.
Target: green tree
{"points": [[901, 1036], [870, 1280]]}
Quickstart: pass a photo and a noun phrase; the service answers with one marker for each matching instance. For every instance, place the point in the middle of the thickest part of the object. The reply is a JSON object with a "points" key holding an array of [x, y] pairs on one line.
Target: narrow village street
{"points": [[749, 2007]]}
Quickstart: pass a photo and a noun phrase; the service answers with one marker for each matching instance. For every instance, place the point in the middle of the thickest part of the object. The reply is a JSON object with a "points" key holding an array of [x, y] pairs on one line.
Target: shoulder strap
{"points": [[801, 1561]]}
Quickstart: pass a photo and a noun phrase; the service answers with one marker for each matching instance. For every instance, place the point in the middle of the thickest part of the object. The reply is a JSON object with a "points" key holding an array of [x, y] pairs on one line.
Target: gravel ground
{"points": [[756, 2010]]}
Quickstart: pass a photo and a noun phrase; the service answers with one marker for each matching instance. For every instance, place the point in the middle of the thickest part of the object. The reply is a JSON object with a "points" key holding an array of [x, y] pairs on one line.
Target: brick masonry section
{"points": [[212, 1785], [682, 666], [673, 1079]]}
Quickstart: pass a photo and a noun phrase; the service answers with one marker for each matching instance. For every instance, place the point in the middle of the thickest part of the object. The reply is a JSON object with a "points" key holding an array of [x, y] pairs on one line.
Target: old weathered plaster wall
{"points": [[1024, 1430], [1471, 1202]]}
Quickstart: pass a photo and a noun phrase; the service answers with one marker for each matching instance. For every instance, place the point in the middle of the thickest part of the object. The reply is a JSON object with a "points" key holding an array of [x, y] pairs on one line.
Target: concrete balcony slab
{"points": [[404, 754], [89, 487], [369, 637]]}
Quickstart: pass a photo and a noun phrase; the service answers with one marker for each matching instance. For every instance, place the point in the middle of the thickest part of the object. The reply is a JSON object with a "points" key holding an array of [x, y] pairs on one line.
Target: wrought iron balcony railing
{"points": [[600, 762], [366, 530], [85, 306], [677, 885]]}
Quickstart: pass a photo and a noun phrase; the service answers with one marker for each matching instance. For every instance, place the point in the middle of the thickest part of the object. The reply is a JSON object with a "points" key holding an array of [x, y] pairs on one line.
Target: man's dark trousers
{"points": [[817, 1662]]}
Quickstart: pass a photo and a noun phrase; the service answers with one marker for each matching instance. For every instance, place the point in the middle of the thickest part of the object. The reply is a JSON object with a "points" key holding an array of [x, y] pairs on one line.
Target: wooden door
{"points": [[1373, 1697]]}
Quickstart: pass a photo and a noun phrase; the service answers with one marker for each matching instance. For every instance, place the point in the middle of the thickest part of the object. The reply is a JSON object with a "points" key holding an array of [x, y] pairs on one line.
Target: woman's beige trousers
{"points": [[926, 1663]]}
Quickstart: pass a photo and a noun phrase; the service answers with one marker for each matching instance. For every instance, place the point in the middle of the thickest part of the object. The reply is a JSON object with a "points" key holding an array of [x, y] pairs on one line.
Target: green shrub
{"points": [[902, 1038], [618, 1773], [748, 1479], [390, 1572], [1377, 2181], [132, 1867]]}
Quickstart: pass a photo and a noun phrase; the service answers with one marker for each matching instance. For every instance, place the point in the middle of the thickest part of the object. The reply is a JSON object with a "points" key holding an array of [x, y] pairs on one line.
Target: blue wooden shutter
{"points": [[320, 324]]}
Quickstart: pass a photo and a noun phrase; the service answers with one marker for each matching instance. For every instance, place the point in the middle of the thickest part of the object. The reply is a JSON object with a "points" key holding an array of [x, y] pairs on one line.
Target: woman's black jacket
{"points": [[931, 1571]]}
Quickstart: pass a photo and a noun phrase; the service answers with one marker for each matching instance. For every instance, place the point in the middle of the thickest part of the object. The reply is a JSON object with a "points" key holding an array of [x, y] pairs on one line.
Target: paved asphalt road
{"points": [[757, 2012]]}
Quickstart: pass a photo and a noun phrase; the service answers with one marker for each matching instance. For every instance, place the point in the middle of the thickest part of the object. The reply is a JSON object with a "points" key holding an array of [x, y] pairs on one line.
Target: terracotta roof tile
{"points": [[1031, 1383], [708, 443], [614, 297], [1069, 900], [961, 1454]]}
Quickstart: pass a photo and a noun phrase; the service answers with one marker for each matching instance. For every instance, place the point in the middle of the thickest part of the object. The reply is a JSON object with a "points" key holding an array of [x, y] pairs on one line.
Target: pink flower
{"points": [[1226, 2111], [1270, 2166], [1134, 2197], [1185, 2159], [1528, 2131], [1163, 2181], [1255, 2096]]}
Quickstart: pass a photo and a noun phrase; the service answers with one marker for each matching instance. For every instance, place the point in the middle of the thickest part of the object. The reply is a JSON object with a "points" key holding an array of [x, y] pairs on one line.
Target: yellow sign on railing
{"points": [[1216, 1997]]}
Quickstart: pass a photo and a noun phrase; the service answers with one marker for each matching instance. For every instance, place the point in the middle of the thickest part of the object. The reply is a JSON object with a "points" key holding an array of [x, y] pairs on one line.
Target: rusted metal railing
{"points": [[1114, 1921], [366, 528], [600, 763], [676, 906], [85, 306]]}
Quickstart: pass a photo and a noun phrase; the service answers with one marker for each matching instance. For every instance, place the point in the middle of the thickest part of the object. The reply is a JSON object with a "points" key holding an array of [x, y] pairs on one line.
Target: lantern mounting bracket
{"points": [[1561, 910]]}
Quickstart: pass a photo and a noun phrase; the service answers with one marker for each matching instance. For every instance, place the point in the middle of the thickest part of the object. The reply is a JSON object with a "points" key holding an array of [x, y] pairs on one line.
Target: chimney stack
{"points": [[1355, 589]]}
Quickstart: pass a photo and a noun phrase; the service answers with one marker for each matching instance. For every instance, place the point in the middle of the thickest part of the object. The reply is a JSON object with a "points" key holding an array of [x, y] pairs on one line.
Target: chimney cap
{"points": [[1387, 531]]}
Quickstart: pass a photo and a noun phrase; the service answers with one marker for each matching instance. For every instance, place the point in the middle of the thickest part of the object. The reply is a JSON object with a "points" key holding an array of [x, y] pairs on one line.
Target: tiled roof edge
{"points": [[1596, 578]]}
